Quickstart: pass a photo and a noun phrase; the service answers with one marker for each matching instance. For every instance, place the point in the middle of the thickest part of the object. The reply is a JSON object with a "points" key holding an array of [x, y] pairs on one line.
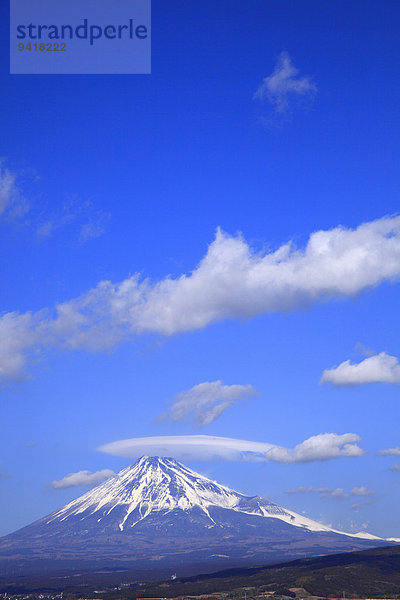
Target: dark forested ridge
{"points": [[367, 574]]}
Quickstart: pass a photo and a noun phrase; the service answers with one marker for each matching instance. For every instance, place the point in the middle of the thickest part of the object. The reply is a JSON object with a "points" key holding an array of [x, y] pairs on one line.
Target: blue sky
{"points": [[108, 176]]}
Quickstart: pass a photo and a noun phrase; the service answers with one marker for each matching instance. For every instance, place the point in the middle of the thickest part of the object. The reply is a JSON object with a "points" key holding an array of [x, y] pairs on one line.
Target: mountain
{"points": [[158, 515]]}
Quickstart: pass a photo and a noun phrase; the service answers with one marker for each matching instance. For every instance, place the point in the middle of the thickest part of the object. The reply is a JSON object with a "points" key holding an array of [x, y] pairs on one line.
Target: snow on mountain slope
{"points": [[161, 485], [151, 485]]}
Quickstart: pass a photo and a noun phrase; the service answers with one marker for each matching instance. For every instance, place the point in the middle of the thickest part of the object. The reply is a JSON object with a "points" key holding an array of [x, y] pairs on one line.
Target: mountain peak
{"points": [[151, 484], [155, 459]]}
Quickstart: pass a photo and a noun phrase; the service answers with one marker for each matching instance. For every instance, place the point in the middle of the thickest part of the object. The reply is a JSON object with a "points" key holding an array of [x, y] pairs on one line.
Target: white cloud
{"points": [[362, 491], [17, 334], [284, 84], [82, 478], [204, 447], [12, 201], [319, 447], [381, 368], [390, 452], [324, 492], [205, 402], [231, 282], [395, 468], [338, 493]]}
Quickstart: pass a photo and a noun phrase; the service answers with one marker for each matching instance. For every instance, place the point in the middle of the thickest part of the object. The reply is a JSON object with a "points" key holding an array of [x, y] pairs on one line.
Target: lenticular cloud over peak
{"points": [[232, 281], [324, 446]]}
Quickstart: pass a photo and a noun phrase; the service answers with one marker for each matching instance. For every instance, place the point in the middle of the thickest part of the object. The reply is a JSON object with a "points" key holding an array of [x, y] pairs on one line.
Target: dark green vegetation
{"points": [[367, 574]]}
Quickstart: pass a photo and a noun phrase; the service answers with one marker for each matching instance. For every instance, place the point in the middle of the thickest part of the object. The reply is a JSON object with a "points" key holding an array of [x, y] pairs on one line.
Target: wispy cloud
{"points": [[13, 204], [4, 475], [81, 217], [18, 333], [324, 446], [323, 492], [390, 452], [327, 492], [205, 402], [381, 368], [231, 282], [284, 84], [82, 478], [93, 229], [362, 491]]}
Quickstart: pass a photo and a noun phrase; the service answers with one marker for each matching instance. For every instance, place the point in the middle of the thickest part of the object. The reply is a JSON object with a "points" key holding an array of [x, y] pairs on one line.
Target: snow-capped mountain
{"points": [[150, 485], [161, 485], [159, 512]]}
